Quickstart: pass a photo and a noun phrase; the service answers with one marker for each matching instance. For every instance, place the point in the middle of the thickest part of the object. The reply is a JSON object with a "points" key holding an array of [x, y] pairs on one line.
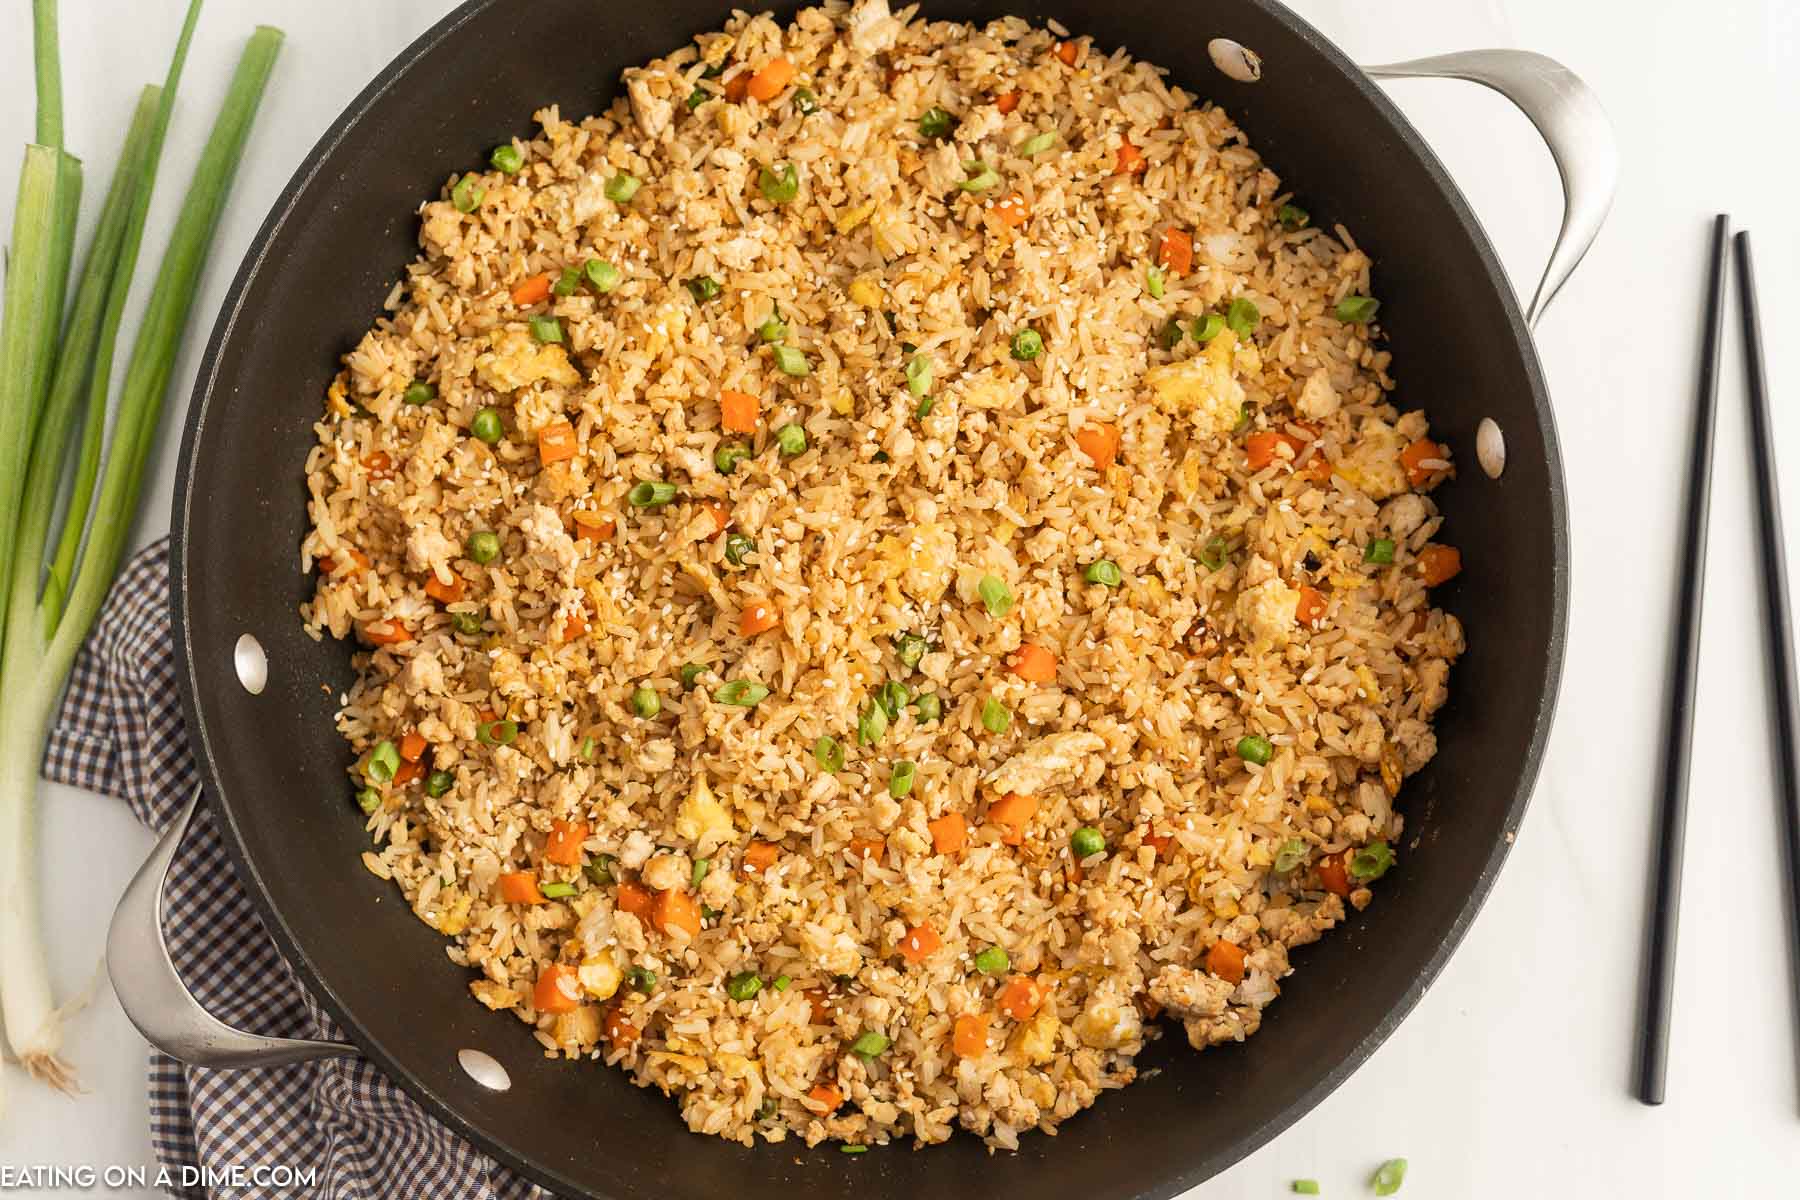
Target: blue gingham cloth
{"points": [[120, 733]]}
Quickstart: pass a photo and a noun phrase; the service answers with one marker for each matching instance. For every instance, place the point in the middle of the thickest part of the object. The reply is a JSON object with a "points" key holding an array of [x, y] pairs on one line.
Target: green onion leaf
{"points": [[828, 753], [556, 891], [782, 983], [1214, 553], [1153, 282], [603, 276], [467, 195], [995, 595], [978, 177], [728, 456], [1104, 572], [936, 123], [641, 979], [910, 649], [929, 708], [774, 329], [622, 187], [701, 867], [1293, 216], [741, 693], [871, 724], [1242, 316], [805, 103], [1207, 327], [383, 761], [691, 673], [738, 547], [1037, 143], [507, 158], [1379, 550], [744, 985], [790, 361], [779, 185], [650, 493], [438, 783], [1306, 1187], [918, 374], [1388, 1177], [893, 696], [1371, 862], [1291, 855], [703, 288], [601, 869], [869, 1044], [900, 778], [545, 329], [1169, 336], [497, 733], [567, 283], [1357, 310], [994, 716], [368, 799]]}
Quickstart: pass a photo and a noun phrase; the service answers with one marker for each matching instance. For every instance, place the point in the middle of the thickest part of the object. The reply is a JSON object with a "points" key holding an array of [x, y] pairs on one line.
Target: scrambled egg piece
{"points": [[1318, 399], [449, 914], [1268, 610], [599, 977], [517, 360], [703, 820], [1108, 1022], [866, 291], [992, 389], [923, 560], [850, 218], [1203, 388], [1034, 1041], [1372, 462]]}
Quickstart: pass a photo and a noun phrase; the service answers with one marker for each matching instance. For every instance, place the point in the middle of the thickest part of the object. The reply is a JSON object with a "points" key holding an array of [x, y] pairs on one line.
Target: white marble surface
{"points": [[1511, 1078]]}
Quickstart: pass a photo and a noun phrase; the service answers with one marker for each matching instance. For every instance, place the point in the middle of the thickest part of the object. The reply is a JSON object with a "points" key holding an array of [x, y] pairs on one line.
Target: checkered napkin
{"points": [[120, 733]]}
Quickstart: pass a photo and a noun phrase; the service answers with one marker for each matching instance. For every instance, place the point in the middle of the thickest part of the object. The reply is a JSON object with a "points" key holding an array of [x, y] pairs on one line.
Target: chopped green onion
{"points": [[936, 123], [697, 97], [713, 70], [1357, 310], [545, 329], [466, 196], [507, 158], [869, 1044], [557, 891], [924, 408], [928, 708], [1388, 1177], [779, 185], [1169, 336], [1153, 282], [782, 983], [601, 871], [741, 693], [690, 673], [1087, 842], [1027, 344], [641, 979], [438, 783], [1105, 572], [900, 778], [1037, 143], [1372, 861], [790, 361], [1293, 216], [1242, 316], [1243, 421], [774, 329], [419, 392], [893, 696], [1255, 748], [978, 177], [910, 649], [497, 733], [1207, 327], [368, 799], [1306, 1187], [587, 749], [701, 867], [805, 103], [1379, 550], [483, 546], [828, 753], [602, 275], [744, 985], [384, 760], [995, 594], [994, 716], [847, 1148], [871, 724], [738, 547], [1291, 855], [650, 493], [485, 425], [728, 456], [993, 961], [703, 288], [709, 913], [918, 374], [645, 702], [567, 283], [1214, 553], [622, 187], [466, 623]]}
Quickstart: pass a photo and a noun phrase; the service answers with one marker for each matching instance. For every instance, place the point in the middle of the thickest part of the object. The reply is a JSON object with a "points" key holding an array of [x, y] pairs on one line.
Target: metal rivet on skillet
{"points": [[1240, 62], [1490, 447], [251, 663], [484, 1069]]}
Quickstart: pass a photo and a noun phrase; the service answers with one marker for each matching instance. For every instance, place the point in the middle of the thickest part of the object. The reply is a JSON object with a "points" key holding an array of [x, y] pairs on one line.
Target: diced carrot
{"points": [[676, 910], [592, 527], [1006, 102], [1021, 997], [1131, 160], [758, 617], [821, 1006], [1439, 564], [1159, 842], [378, 462], [721, 515], [760, 856], [1100, 443], [1013, 812], [574, 625], [635, 899], [387, 632], [1175, 250], [408, 772], [1012, 210], [1068, 52], [825, 1098], [1226, 961], [447, 593], [563, 847], [615, 1028], [412, 746], [970, 1037], [863, 849], [520, 887], [1311, 606], [1334, 874], [1261, 449], [1149, 1006], [767, 83], [359, 562], [737, 86], [556, 442], [1318, 467], [1415, 454], [535, 290], [556, 990], [1034, 664], [738, 410], [949, 833], [919, 943]]}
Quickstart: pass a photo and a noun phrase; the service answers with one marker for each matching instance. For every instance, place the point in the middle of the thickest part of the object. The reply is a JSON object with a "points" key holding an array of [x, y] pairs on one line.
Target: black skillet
{"points": [[314, 279]]}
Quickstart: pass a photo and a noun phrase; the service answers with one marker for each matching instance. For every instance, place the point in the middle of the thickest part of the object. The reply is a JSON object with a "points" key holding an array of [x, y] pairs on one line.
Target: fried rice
{"points": [[888, 576]]}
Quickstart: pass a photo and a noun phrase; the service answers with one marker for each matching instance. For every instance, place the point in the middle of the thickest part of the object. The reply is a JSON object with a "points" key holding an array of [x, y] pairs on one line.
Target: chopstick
{"points": [[1775, 596], [1659, 964]]}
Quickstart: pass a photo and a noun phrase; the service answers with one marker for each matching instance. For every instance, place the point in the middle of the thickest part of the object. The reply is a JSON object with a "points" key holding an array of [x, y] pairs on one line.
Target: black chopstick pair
{"points": [[1659, 966]]}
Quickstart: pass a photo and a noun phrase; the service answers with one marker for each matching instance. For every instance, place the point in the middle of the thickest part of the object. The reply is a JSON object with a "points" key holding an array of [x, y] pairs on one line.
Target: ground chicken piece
{"points": [[441, 226], [1203, 388], [1053, 758], [425, 674], [667, 872], [943, 168], [1318, 399], [515, 359], [545, 536], [1372, 461], [1234, 1026], [1404, 514], [1268, 610], [496, 996], [1110, 1021], [651, 106], [870, 27], [1186, 992], [637, 849], [1434, 684], [427, 548]]}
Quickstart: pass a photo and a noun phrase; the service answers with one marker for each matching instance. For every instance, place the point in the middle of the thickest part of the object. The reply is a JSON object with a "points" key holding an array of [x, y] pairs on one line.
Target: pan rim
{"points": [[292, 948]]}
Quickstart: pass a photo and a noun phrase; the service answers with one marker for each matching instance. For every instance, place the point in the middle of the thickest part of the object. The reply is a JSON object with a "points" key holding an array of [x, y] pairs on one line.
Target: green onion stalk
{"points": [[59, 577]]}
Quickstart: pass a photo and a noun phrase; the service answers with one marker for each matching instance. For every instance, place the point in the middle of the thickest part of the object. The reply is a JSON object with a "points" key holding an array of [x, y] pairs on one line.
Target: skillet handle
{"points": [[152, 994], [1568, 116]]}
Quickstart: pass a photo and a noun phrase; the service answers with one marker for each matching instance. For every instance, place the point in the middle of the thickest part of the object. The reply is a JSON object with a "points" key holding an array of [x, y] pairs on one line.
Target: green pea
{"points": [[994, 716], [1027, 344], [936, 124], [779, 185], [1105, 572], [1255, 748], [773, 329], [792, 439], [728, 456], [507, 158], [703, 288], [805, 103], [650, 493], [929, 707], [869, 1044], [690, 673], [900, 778], [993, 961], [483, 546], [645, 702], [466, 623], [438, 783], [641, 979], [466, 196], [603, 276], [744, 985], [1087, 842], [420, 392], [486, 427], [910, 649], [738, 548]]}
